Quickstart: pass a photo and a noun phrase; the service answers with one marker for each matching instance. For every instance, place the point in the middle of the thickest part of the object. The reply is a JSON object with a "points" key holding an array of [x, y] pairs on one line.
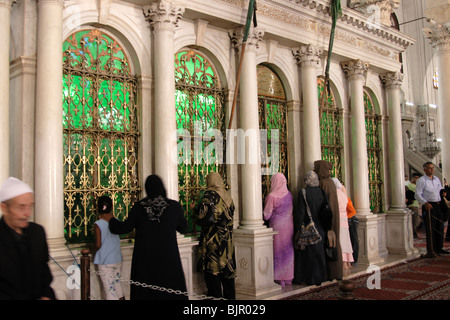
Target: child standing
{"points": [[108, 256]]}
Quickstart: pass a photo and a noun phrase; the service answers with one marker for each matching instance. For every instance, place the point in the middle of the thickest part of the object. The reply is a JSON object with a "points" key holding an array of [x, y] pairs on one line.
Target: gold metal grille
{"points": [[100, 130], [373, 154], [272, 109], [199, 106], [330, 130]]}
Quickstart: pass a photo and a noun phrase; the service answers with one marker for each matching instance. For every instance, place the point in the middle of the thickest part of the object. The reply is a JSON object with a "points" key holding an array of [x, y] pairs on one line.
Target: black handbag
{"points": [[307, 235], [209, 218]]}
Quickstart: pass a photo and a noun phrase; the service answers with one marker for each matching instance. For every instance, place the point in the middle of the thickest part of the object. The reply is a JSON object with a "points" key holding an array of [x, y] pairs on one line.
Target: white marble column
{"points": [[163, 17], [439, 37], [249, 122], [5, 18], [399, 234], [356, 72], [48, 186], [308, 57], [253, 241]]}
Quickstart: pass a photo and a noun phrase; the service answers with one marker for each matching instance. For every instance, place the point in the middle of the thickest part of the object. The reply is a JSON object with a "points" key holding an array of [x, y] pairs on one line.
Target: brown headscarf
{"points": [[323, 168], [215, 183]]}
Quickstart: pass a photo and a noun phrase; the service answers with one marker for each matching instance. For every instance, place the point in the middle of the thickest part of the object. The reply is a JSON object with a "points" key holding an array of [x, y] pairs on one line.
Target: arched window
{"points": [[330, 129], [199, 103], [373, 154], [100, 129], [272, 117]]}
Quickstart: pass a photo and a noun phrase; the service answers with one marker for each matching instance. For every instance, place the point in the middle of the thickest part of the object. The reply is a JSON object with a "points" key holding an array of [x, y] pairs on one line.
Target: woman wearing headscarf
{"points": [[278, 212], [323, 168], [216, 258], [344, 234], [156, 258], [310, 262]]}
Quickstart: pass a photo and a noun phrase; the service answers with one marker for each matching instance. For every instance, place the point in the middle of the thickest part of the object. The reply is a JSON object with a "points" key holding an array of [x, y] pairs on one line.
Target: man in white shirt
{"points": [[427, 194]]}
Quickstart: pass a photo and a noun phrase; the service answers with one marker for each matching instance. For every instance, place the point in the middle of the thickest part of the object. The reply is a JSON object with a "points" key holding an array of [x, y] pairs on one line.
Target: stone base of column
{"points": [[254, 261], [185, 246], [399, 233], [368, 240], [382, 250]]}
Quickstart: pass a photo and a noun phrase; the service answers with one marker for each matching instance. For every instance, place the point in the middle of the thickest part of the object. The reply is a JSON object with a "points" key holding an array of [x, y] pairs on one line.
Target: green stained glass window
{"points": [[272, 109], [330, 128], [100, 130], [373, 154], [199, 101]]}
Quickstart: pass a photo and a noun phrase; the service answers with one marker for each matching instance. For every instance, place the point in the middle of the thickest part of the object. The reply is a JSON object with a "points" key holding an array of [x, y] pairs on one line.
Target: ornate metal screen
{"points": [[330, 133], [272, 116], [199, 101], [373, 154], [100, 129]]}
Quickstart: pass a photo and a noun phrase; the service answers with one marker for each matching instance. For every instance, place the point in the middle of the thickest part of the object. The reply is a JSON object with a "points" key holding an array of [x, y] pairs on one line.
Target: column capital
{"points": [[308, 55], [391, 79], [54, 2], [439, 36], [255, 35], [355, 69], [163, 15], [7, 3]]}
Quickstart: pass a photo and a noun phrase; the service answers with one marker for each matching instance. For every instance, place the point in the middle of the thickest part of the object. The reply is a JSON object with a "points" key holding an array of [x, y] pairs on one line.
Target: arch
{"points": [[100, 130], [272, 108]]}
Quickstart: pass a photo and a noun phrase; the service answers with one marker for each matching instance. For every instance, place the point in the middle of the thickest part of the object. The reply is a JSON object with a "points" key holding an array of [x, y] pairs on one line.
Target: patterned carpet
{"points": [[418, 279]]}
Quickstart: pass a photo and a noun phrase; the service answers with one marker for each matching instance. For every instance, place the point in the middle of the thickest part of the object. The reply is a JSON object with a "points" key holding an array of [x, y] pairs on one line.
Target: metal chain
{"points": [[158, 288]]}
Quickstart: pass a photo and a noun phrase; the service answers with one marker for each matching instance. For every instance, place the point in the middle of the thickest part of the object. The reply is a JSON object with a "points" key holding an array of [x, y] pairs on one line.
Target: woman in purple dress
{"points": [[278, 211]]}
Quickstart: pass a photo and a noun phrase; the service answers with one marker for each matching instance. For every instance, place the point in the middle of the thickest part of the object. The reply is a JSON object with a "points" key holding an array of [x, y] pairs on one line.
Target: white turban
{"points": [[12, 188]]}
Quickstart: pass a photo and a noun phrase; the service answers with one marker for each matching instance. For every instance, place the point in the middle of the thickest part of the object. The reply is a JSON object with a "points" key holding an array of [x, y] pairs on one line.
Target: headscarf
{"points": [[278, 185], [322, 168], [311, 179], [215, 183], [337, 183], [156, 201]]}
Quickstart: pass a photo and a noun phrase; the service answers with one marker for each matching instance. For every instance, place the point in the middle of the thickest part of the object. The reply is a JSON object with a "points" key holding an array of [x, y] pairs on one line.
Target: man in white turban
{"points": [[24, 272]]}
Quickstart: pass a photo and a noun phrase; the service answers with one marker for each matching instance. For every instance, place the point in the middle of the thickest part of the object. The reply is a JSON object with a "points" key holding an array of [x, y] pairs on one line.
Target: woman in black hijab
{"points": [[156, 258]]}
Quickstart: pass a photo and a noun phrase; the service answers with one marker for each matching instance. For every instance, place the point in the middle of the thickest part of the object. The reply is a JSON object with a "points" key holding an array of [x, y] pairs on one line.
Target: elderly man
{"points": [[24, 272], [428, 188]]}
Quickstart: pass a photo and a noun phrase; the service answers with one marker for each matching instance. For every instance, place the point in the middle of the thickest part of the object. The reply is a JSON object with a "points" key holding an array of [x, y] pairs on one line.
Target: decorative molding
{"points": [[439, 36], [355, 69], [7, 3], [163, 15], [308, 55], [391, 79], [255, 35]]}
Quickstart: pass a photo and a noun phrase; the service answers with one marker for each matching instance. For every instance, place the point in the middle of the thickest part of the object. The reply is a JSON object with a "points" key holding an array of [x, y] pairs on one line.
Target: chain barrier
{"points": [[158, 288]]}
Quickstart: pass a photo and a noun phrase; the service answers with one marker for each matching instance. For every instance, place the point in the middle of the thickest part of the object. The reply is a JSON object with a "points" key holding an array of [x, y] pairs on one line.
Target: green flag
{"points": [[251, 15], [336, 11]]}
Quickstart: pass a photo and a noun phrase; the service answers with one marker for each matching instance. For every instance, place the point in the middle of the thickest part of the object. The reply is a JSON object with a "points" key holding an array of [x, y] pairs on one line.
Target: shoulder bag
{"points": [[307, 235]]}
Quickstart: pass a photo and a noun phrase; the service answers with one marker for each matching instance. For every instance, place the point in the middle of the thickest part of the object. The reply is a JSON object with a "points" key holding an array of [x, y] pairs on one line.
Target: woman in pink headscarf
{"points": [[278, 211]]}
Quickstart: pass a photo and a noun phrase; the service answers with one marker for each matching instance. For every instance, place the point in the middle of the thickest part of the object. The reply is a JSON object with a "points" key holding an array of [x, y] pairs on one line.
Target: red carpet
{"points": [[418, 279]]}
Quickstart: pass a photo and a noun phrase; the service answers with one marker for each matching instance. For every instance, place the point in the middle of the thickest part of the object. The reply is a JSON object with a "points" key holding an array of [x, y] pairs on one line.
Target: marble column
{"points": [[163, 17], [5, 18], [398, 219], [253, 241], [48, 186], [356, 72], [439, 37], [308, 57]]}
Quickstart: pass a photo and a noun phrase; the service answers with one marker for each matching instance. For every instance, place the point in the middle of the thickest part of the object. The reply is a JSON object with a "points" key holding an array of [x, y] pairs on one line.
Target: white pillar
{"points": [[356, 71], [163, 17], [48, 186], [398, 224], [5, 18], [253, 241], [439, 36], [309, 58]]}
